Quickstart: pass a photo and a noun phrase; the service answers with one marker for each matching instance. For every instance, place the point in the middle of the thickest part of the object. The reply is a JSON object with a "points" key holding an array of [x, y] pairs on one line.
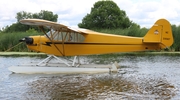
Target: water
{"points": [[139, 78]]}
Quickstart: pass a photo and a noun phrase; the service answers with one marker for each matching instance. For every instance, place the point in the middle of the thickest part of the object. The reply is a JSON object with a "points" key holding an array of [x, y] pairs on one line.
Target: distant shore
{"points": [[126, 53]]}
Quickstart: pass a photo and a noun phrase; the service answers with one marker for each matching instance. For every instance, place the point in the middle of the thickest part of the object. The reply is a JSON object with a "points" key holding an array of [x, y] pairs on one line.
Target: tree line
{"points": [[18, 27], [105, 16]]}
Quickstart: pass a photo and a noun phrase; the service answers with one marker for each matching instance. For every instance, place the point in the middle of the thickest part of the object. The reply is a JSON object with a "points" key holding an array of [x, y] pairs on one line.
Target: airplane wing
{"points": [[53, 25]]}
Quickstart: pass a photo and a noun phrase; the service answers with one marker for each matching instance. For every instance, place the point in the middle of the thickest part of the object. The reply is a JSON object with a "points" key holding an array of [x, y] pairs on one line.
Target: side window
{"points": [[74, 37], [65, 36]]}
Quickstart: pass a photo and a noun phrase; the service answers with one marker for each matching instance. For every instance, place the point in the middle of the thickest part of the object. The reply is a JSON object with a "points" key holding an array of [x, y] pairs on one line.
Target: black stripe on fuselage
{"points": [[83, 43]]}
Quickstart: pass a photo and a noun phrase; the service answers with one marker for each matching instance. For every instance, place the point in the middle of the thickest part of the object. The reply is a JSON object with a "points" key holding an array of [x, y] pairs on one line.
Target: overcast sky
{"points": [[71, 12]]}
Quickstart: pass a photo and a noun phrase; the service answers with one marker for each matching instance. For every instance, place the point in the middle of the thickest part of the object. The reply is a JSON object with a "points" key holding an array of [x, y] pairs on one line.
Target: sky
{"points": [[71, 12]]}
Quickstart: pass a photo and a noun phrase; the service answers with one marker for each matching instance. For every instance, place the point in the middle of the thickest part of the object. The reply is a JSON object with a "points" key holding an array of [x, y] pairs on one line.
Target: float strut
{"points": [[50, 57]]}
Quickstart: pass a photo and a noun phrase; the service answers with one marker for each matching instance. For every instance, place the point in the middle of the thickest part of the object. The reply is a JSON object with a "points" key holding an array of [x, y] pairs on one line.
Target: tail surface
{"points": [[160, 33]]}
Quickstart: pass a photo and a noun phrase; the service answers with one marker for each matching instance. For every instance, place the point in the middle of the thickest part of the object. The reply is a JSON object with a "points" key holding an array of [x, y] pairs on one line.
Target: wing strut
{"points": [[41, 27]]}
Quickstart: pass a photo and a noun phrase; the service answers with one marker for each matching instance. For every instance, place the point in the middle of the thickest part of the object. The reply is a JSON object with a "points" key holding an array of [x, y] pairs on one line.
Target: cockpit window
{"points": [[65, 36]]}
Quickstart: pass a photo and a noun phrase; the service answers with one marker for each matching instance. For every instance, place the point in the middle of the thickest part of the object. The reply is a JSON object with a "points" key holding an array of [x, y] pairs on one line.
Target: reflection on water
{"points": [[139, 78], [98, 87]]}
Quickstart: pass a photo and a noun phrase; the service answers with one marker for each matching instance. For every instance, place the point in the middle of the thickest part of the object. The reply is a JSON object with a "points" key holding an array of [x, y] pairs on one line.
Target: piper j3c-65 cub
{"points": [[63, 41]]}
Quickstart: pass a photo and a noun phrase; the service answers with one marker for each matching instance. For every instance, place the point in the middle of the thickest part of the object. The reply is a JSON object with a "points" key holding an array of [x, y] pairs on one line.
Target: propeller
{"points": [[27, 40]]}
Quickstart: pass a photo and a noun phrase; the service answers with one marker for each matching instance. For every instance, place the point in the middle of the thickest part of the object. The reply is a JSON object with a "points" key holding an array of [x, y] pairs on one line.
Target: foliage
{"points": [[105, 14], [176, 35], [8, 40], [43, 14], [18, 27], [133, 30], [32, 30], [23, 15], [46, 15]]}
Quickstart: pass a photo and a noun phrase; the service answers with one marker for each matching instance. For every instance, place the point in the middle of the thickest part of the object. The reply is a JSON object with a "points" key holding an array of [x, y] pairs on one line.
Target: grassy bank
{"points": [[22, 54]]}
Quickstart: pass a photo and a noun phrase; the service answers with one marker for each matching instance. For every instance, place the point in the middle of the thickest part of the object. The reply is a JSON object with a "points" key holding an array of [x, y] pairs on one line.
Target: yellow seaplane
{"points": [[62, 41]]}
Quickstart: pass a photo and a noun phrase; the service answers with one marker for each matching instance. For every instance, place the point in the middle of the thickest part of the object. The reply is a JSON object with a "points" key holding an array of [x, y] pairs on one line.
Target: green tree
{"points": [[134, 30], [46, 15], [105, 14], [23, 15], [176, 32], [43, 14]]}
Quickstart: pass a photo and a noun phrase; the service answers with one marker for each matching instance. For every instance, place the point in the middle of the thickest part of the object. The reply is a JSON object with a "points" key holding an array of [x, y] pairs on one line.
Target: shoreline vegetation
{"points": [[100, 55]]}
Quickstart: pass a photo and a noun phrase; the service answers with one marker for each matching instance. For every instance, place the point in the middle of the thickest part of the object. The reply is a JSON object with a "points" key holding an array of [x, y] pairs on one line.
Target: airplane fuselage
{"points": [[65, 41], [94, 43]]}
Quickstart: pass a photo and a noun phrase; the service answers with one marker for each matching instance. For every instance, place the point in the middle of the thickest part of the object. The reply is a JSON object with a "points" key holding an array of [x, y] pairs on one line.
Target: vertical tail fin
{"points": [[160, 33]]}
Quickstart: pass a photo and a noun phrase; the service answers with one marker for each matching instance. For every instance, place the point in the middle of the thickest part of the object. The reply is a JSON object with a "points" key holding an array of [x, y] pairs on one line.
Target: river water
{"points": [[139, 78]]}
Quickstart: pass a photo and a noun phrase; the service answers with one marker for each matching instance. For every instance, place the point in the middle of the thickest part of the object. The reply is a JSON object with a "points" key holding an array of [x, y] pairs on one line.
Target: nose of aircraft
{"points": [[27, 40]]}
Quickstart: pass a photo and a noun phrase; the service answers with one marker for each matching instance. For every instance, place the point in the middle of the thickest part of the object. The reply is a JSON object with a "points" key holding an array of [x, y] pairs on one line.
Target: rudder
{"points": [[160, 33]]}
